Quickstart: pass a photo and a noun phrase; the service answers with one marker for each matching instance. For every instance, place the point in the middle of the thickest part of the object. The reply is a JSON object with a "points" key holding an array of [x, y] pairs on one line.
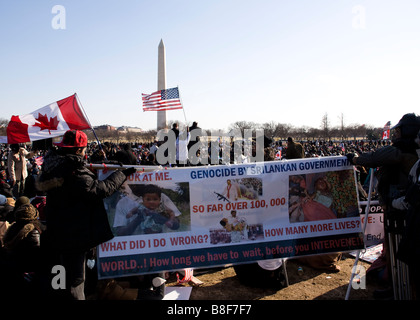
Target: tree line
{"points": [[272, 129]]}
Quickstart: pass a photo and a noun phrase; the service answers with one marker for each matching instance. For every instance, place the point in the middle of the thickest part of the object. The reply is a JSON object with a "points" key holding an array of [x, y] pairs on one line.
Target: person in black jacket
{"points": [[125, 155], [21, 252], [6, 207], [394, 162], [5, 188], [294, 149], [76, 218], [409, 245]]}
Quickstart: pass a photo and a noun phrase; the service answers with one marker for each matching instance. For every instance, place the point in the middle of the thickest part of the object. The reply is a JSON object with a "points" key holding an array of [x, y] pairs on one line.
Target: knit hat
{"points": [[21, 201], [26, 212], [73, 139]]}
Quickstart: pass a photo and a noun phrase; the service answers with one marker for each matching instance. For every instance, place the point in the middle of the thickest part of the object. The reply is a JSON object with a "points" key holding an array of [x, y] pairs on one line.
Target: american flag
{"points": [[39, 160], [188, 275], [166, 99]]}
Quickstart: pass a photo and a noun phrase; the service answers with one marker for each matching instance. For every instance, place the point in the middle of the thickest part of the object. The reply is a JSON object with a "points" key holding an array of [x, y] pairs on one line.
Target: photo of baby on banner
{"points": [[322, 196], [150, 208]]}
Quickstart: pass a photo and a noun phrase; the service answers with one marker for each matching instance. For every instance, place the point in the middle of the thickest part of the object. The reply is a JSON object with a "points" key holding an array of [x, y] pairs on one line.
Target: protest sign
{"points": [[207, 216], [374, 233]]}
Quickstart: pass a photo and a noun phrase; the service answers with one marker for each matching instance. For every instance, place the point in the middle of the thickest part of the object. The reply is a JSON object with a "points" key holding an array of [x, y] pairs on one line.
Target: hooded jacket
{"points": [[394, 164], [22, 239], [294, 150], [76, 218]]}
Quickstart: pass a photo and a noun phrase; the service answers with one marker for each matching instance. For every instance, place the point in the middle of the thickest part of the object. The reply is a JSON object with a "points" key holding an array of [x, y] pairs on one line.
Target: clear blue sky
{"points": [[267, 60]]}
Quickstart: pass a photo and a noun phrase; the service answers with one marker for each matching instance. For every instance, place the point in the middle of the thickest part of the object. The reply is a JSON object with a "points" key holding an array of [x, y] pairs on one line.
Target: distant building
{"points": [[106, 127], [129, 129]]}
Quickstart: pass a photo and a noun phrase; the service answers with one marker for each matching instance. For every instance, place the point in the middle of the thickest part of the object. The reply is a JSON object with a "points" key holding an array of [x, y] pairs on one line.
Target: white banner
{"points": [[205, 216]]}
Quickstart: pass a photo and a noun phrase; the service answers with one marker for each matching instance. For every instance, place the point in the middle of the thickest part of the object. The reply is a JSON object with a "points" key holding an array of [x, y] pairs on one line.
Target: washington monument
{"points": [[161, 115]]}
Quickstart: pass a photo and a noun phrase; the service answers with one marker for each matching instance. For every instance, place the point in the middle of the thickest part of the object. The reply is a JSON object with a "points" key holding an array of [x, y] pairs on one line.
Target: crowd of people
{"points": [[35, 185]]}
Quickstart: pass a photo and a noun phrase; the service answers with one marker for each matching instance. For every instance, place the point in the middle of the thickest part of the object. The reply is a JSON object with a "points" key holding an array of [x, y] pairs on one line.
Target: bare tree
{"points": [[242, 125], [282, 130], [373, 133], [314, 133], [149, 135], [269, 128], [301, 133], [341, 129], [3, 126], [325, 126]]}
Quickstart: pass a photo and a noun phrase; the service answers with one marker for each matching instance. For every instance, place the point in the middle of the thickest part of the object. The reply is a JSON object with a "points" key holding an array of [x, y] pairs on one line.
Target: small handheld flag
{"points": [[386, 132]]}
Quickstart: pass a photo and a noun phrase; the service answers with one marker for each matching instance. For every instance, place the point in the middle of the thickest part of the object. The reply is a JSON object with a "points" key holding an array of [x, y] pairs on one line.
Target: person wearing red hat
{"points": [[76, 218]]}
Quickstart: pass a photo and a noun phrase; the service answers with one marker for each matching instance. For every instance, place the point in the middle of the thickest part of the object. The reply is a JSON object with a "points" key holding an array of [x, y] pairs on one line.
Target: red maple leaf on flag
{"points": [[45, 123]]}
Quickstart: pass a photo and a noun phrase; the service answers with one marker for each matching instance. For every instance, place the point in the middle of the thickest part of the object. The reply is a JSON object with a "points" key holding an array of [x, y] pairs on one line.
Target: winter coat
{"points": [[22, 240], [394, 166], [76, 218], [16, 163], [409, 247], [125, 156], [294, 150], [5, 188], [6, 211]]}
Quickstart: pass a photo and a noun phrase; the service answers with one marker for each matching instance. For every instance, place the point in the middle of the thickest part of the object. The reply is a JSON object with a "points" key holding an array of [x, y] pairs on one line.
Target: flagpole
{"points": [[367, 209], [87, 118], [183, 109]]}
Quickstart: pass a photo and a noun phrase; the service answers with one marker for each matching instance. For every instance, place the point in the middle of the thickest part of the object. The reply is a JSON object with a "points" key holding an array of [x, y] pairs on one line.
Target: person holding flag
{"points": [[76, 218]]}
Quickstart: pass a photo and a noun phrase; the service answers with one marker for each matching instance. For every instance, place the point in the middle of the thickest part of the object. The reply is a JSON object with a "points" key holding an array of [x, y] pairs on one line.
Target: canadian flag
{"points": [[50, 121], [386, 133]]}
